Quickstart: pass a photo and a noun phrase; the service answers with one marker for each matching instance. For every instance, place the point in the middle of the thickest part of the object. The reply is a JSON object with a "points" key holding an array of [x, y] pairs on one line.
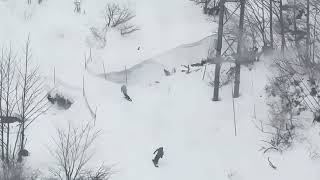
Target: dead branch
{"points": [[271, 164]]}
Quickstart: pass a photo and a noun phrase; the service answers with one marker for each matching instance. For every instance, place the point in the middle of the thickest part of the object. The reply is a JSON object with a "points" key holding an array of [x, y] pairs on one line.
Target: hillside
{"points": [[175, 111]]}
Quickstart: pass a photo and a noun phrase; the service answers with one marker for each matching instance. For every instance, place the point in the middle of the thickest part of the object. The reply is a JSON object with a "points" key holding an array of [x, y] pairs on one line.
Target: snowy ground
{"points": [[177, 113]]}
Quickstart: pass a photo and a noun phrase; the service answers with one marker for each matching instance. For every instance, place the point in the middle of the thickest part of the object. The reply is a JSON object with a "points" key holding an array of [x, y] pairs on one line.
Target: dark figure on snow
{"points": [[159, 155], [316, 117], [255, 51], [124, 92]]}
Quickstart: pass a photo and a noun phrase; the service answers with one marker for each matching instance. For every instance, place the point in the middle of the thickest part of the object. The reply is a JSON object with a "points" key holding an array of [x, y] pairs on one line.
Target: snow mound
{"points": [[152, 70], [147, 71]]}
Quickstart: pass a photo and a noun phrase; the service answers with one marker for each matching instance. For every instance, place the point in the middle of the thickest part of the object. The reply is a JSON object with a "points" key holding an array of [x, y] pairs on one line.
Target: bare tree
{"points": [[1, 99], [255, 17], [102, 173], [218, 52], [271, 23], [8, 98], [283, 42], [308, 33], [236, 92], [115, 17], [72, 151], [128, 29], [204, 3], [99, 35], [30, 96], [295, 23], [22, 100], [118, 17]]}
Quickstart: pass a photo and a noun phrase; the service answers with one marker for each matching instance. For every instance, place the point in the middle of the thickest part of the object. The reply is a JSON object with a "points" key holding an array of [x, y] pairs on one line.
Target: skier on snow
{"points": [[124, 92], [159, 155]]}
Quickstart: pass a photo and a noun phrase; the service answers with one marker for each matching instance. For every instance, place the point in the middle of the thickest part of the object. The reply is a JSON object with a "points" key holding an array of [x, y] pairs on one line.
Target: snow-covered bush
{"points": [[60, 100], [287, 97], [226, 77], [313, 84], [18, 171], [102, 173], [100, 36], [285, 101]]}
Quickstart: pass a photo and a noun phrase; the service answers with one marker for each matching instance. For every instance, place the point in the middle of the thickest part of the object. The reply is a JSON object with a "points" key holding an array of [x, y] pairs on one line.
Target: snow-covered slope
{"points": [[185, 54], [60, 37], [176, 112], [197, 134]]}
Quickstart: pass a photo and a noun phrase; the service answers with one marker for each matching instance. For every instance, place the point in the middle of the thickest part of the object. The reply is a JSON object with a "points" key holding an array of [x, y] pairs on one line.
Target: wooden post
{"points": [[54, 76], [83, 86], [104, 71], [90, 55], [95, 116], [85, 61], [234, 112], [239, 51], [204, 73], [126, 75], [218, 54]]}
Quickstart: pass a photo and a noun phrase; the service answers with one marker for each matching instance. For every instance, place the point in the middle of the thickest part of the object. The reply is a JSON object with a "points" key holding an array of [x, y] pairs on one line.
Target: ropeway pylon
{"points": [[230, 41]]}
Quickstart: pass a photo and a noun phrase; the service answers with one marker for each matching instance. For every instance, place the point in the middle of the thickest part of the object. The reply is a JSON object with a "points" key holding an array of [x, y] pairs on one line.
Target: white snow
{"points": [[177, 112]]}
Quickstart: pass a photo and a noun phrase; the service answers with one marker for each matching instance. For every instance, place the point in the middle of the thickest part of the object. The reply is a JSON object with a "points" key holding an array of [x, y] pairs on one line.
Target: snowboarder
{"points": [[159, 155], [124, 92]]}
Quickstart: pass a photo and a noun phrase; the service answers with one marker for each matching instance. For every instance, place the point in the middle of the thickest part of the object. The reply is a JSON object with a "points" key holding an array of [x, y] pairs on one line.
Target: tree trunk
{"points": [[205, 7], [308, 33], [271, 24], [283, 41], [239, 51], [7, 110], [2, 125], [263, 24], [218, 54], [295, 25], [24, 103], [8, 128], [314, 37]]}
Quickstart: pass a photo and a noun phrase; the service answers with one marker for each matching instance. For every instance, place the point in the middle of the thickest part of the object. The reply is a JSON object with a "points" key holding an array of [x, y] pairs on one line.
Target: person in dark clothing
{"points": [[159, 155], [255, 51], [124, 92]]}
